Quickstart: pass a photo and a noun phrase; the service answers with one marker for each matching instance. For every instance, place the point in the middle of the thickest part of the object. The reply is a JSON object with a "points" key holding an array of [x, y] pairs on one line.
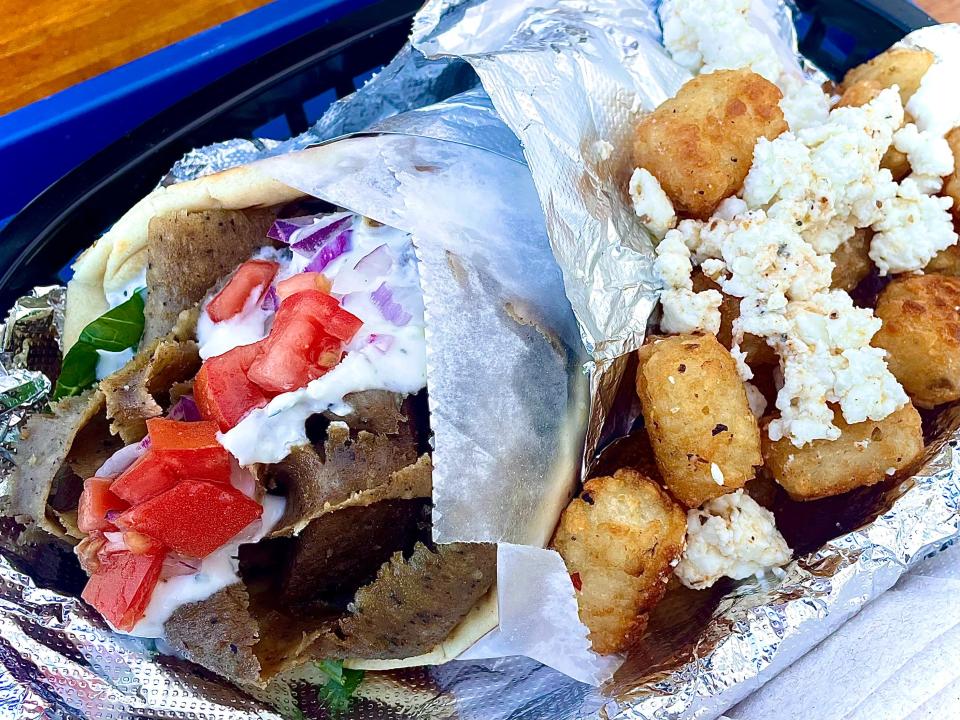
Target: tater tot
{"points": [[945, 262], [864, 454], [756, 348], [699, 144], [705, 439], [851, 261], [619, 540], [860, 93], [951, 186], [921, 334], [903, 67]]}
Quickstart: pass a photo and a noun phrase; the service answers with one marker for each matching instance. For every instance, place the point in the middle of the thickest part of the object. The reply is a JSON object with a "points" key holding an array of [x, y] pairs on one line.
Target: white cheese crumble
{"points": [[935, 106], [651, 203], [684, 310], [704, 37], [719, 35], [913, 228], [805, 194], [730, 536]]}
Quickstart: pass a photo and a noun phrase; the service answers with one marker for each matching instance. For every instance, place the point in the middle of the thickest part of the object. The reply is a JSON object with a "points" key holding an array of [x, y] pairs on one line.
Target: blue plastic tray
{"points": [[44, 140]]}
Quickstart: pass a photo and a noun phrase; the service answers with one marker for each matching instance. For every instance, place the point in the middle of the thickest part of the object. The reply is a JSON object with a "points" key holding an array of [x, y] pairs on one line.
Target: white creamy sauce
{"points": [[121, 295], [247, 327], [218, 570], [381, 356], [109, 362]]}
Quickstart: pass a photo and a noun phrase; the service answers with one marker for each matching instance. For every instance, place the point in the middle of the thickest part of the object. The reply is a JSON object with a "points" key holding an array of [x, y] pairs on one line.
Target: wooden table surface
{"points": [[48, 45]]}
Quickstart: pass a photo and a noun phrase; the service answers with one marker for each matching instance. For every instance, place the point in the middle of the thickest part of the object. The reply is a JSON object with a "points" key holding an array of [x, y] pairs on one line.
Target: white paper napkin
{"points": [[898, 659]]}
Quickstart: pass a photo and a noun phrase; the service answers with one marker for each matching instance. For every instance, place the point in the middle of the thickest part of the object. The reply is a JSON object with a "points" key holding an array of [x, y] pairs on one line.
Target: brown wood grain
{"points": [[942, 10], [48, 45]]}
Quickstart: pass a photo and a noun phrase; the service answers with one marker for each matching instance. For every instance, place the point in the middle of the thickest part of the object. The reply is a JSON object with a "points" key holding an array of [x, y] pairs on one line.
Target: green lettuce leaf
{"points": [[114, 331], [341, 684]]}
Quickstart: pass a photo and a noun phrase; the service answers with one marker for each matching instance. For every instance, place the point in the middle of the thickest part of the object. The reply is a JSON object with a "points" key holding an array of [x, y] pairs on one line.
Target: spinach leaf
{"points": [[115, 330], [341, 684]]}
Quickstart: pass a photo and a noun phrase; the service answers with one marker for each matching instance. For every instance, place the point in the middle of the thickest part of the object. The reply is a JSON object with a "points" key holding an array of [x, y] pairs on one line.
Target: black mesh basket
{"points": [[74, 211]]}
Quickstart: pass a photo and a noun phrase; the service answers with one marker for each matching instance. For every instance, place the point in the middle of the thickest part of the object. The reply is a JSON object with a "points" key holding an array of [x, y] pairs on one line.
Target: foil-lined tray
{"points": [[705, 651]]}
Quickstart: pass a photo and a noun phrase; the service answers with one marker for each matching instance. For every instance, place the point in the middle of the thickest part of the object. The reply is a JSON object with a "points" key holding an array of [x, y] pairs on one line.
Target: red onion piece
{"points": [[176, 565], [382, 342], [329, 251], [305, 234], [271, 301], [243, 480], [122, 459], [375, 262], [391, 310], [185, 409]]}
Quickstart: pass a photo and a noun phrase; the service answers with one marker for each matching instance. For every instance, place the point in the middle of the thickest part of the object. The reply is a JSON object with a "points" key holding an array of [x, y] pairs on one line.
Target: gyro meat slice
{"points": [[705, 438], [619, 540], [699, 144], [921, 334], [864, 454]]}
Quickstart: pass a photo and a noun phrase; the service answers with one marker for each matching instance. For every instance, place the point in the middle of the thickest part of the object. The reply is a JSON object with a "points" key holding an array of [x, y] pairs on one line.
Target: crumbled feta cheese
{"points": [[651, 203], [730, 536], [826, 357], [911, 230], [891, 471], [929, 155], [804, 103], [716, 473], [826, 180], [935, 106], [684, 310], [704, 37]]}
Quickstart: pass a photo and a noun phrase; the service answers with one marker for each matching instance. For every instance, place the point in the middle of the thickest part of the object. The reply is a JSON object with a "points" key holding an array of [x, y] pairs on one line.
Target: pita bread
{"points": [[119, 257]]}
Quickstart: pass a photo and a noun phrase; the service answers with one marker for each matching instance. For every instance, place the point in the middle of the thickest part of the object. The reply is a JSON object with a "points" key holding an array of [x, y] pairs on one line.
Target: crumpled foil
{"points": [[705, 651]]}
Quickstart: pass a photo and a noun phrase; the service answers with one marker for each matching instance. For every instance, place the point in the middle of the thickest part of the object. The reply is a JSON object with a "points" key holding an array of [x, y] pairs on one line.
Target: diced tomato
{"points": [[294, 357], [304, 343], [320, 308], [96, 501], [222, 391], [193, 518], [121, 587], [230, 301], [190, 449], [146, 478], [303, 281]]}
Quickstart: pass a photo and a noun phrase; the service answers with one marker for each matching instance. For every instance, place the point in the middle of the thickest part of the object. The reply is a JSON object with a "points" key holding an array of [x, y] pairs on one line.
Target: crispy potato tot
{"points": [[951, 186], [860, 93], [864, 454], [945, 262], [705, 439], [756, 348], [851, 261], [619, 540], [903, 67], [699, 144], [921, 334]]}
